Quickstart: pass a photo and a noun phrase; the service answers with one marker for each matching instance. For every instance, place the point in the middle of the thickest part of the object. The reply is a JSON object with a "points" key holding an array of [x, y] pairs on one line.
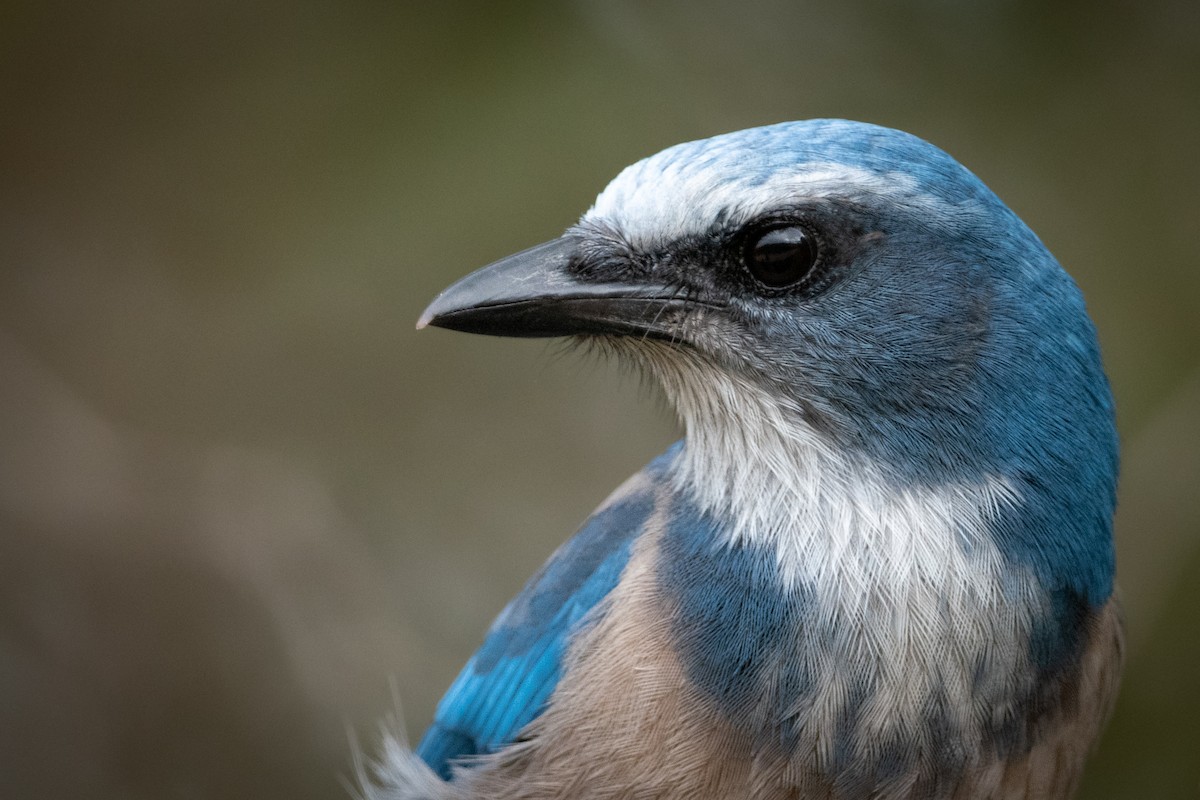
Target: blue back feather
{"points": [[507, 682]]}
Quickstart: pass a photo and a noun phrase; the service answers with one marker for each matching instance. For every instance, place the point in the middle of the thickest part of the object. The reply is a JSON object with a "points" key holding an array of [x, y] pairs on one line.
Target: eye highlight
{"points": [[780, 257]]}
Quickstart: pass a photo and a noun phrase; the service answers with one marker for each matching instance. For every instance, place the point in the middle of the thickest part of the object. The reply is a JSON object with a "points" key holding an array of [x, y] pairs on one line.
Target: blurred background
{"points": [[244, 506]]}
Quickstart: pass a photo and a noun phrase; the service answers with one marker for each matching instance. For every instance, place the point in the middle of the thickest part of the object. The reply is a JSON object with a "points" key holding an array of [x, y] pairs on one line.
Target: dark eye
{"points": [[781, 256]]}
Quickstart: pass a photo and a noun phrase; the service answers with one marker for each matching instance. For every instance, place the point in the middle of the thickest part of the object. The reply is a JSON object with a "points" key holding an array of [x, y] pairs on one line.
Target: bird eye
{"points": [[782, 256]]}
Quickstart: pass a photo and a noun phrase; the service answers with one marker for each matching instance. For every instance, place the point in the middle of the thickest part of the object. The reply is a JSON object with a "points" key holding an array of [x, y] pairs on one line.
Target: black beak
{"points": [[534, 293]]}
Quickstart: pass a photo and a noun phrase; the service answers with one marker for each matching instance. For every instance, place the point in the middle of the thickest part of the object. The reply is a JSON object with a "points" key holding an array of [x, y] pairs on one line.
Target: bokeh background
{"points": [[244, 506]]}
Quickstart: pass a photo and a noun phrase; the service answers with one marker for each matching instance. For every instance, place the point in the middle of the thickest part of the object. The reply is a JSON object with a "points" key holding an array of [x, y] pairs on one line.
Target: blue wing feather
{"points": [[509, 680]]}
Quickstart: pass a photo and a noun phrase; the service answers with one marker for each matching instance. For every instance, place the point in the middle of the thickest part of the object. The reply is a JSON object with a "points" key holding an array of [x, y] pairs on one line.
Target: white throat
{"points": [[779, 482], [909, 578]]}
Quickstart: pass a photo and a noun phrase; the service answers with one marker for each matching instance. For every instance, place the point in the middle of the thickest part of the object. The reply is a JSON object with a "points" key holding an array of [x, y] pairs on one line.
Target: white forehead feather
{"points": [[652, 207], [734, 178]]}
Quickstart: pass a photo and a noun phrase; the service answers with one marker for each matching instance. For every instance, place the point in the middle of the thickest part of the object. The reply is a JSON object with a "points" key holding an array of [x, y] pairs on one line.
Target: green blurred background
{"points": [[241, 499]]}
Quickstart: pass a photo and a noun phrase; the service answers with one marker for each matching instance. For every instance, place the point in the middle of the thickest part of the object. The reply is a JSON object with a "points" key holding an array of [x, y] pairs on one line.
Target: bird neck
{"points": [[776, 482], [900, 583]]}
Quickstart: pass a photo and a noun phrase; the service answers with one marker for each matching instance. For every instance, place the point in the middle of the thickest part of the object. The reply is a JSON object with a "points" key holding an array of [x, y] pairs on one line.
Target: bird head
{"points": [[836, 283], [845, 318]]}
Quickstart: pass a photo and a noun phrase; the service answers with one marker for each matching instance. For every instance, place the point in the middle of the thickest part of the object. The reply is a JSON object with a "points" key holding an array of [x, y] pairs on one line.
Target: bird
{"points": [[879, 564]]}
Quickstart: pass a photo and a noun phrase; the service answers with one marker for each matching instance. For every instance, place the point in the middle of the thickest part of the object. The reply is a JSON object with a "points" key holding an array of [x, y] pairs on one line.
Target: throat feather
{"points": [[900, 590]]}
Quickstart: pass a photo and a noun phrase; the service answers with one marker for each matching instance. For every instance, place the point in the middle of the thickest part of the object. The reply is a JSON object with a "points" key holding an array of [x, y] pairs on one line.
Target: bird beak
{"points": [[535, 293]]}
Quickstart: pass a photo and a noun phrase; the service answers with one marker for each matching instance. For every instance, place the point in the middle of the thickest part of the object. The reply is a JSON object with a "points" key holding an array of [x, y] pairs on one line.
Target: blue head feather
{"points": [[945, 343]]}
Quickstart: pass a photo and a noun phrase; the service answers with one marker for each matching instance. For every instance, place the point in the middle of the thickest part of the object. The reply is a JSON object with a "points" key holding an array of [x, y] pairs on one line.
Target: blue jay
{"points": [[879, 565]]}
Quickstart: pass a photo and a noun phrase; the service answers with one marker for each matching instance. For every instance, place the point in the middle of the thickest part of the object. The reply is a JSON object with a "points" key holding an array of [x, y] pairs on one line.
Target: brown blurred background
{"points": [[240, 496]]}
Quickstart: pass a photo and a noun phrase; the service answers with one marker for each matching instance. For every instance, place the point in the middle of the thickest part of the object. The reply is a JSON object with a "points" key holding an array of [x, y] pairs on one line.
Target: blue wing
{"points": [[508, 681]]}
